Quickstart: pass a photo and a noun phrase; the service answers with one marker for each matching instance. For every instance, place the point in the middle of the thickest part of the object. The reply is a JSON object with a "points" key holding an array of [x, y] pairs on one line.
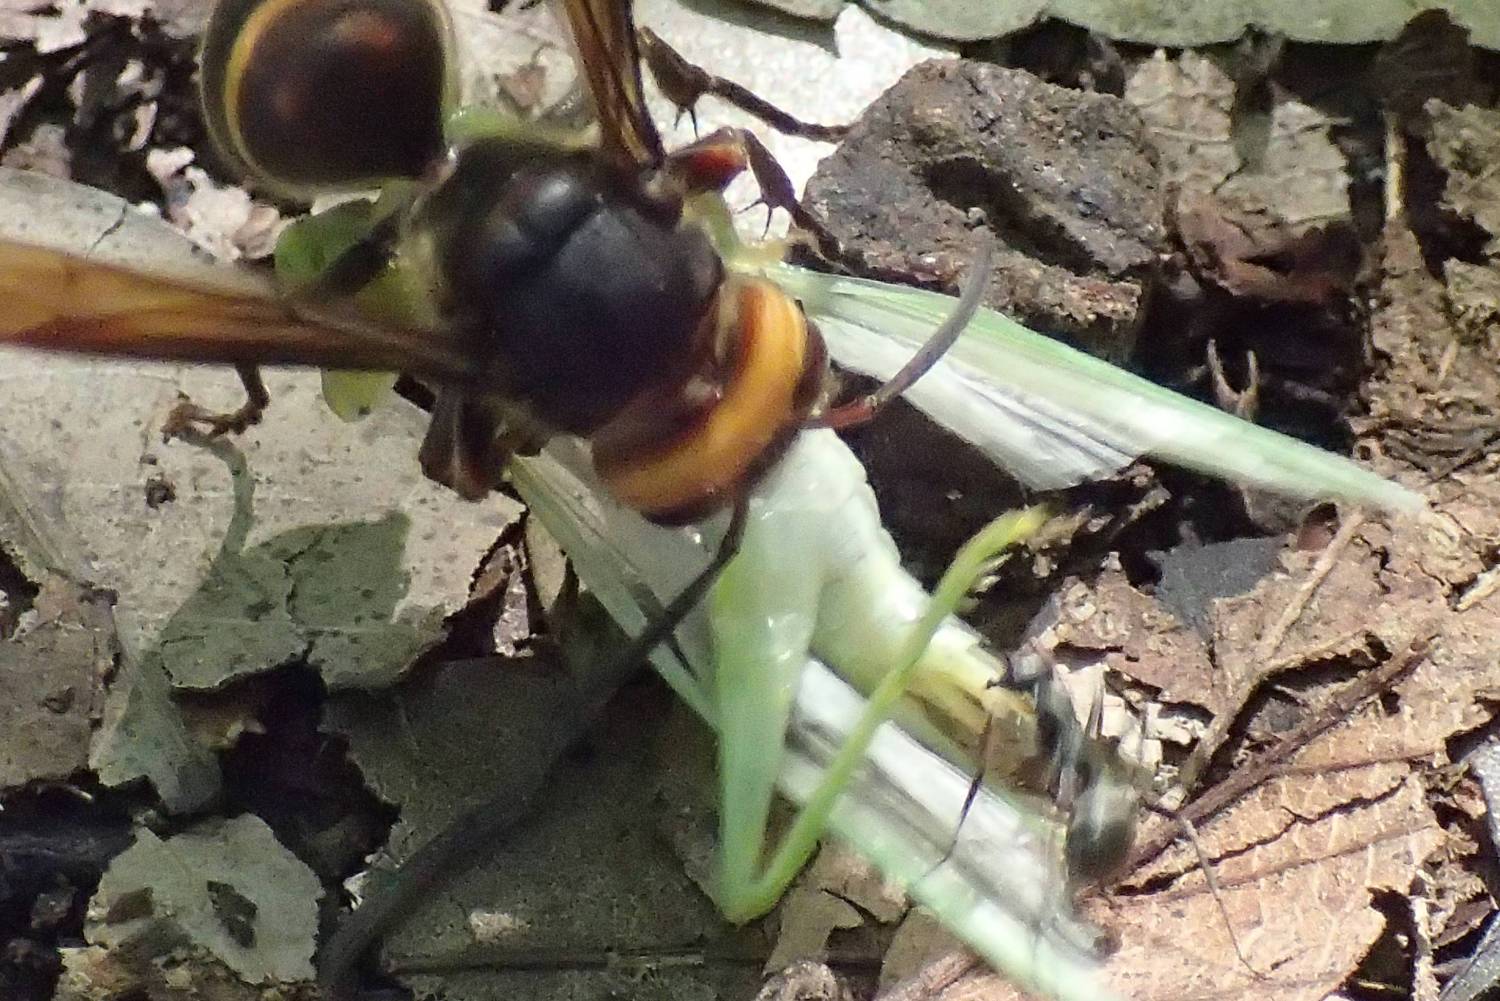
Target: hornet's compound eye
{"points": [[310, 95]]}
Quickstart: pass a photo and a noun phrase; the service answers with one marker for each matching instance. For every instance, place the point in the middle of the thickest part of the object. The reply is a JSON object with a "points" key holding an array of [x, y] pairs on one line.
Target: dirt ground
{"points": [[1305, 235]]}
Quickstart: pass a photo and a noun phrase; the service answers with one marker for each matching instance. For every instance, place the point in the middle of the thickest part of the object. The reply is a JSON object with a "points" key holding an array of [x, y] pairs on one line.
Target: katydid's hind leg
{"points": [[684, 84], [710, 163], [188, 416], [864, 409]]}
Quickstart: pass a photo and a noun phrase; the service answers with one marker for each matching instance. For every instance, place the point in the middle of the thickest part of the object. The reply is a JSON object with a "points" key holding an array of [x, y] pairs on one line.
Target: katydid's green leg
{"points": [[761, 616], [754, 706]]}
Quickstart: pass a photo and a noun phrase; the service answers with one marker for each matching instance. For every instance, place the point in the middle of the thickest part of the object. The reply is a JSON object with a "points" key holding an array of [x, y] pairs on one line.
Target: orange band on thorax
{"points": [[760, 401]]}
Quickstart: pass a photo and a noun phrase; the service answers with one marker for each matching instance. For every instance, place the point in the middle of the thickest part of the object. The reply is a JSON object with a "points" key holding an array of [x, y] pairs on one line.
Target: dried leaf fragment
{"points": [[225, 886], [1299, 899]]}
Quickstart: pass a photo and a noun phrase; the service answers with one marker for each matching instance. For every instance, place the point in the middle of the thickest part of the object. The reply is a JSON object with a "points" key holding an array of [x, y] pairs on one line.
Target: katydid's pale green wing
{"points": [[1053, 416]]}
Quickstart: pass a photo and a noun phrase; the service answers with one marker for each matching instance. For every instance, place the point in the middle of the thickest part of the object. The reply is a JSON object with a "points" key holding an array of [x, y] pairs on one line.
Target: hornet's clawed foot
{"points": [[187, 417]]}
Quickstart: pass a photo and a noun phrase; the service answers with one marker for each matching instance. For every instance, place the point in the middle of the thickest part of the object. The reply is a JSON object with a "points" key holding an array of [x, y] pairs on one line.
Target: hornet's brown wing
{"points": [[604, 32], [58, 301], [82, 271]]}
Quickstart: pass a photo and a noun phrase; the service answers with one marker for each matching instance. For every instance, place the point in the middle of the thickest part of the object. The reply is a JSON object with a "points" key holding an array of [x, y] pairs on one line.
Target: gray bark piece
{"points": [[51, 685]]}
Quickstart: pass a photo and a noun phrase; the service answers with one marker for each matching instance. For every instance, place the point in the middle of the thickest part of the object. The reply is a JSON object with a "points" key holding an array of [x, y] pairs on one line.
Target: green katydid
{"points": [[814, 554]]}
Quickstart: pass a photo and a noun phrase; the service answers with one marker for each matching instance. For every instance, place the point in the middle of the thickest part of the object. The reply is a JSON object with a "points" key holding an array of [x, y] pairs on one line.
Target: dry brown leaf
{"points": [[222, 219], [1474, 298], [45, 152], [1437, 396], [805, 981], [1139, 638], [1256, 255], [93, 973], [1300, 857], [837, 891], [979, 987], [1188, 102], [1465, 143], [919, 942], [1299, 894], [1332, 623]]}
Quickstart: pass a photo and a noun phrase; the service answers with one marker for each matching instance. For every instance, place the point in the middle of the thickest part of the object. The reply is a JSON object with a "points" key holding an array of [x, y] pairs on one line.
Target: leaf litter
{"points": [[226, 887], [1192, 23], [55, 662], [1347, 830]]}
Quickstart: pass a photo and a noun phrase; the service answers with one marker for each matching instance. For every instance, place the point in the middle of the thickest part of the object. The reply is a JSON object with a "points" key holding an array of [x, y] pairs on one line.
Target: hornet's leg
{"points": [[355, 262], [189, 416], [713, 161], [683, 83]]}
